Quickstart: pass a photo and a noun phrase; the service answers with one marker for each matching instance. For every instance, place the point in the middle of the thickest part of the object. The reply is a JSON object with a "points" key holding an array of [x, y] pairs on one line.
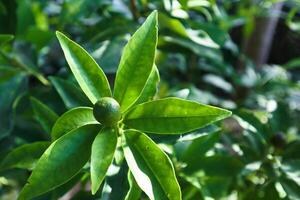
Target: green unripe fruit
{"points": [[107, 111]]}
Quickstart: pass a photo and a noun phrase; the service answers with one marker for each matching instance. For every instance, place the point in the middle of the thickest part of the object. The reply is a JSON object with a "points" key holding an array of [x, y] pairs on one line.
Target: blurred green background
{"points": [[242, 55]]}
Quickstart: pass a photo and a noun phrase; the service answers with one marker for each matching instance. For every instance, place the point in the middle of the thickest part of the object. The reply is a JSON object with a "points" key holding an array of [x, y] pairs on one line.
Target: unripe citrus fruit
{"points": [[107, 111]]}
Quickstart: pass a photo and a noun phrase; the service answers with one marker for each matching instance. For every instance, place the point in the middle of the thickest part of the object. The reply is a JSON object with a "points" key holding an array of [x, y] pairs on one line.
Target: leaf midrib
{"points": [[126, 62], [172, 117]]}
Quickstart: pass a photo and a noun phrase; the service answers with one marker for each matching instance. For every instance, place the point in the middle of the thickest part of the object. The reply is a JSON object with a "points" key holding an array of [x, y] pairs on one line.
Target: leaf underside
{"points": [[150, 166]]}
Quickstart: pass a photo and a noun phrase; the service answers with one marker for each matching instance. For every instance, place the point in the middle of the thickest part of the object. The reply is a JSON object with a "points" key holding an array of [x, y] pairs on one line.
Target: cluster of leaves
{"points": [[253, 155], [77, 136]]}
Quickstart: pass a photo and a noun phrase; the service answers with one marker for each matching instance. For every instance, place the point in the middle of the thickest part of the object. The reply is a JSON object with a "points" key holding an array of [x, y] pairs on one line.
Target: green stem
{"points": [[30, 71]]}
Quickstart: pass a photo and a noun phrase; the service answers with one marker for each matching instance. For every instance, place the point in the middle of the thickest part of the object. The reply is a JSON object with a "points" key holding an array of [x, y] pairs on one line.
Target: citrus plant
{"points": [[118, 120]]}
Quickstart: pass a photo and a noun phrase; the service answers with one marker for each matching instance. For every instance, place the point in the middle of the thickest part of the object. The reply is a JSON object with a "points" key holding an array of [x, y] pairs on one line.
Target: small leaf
{"points": [[195, 149], [89, 75], [173, 116], [61, 161], [103, 149], [136, 63], [43, 114], [150, 88], [25, 156], [134, 192], [71, 95], [71, 120], [4, 38], [150, 166]]}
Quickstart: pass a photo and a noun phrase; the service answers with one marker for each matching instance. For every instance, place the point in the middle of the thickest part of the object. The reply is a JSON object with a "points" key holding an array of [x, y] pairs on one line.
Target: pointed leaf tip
{"points": [[136, 63], [87, 72], [173, 116]]}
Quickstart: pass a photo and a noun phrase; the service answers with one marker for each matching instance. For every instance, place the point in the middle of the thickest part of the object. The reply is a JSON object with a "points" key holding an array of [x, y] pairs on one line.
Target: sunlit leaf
{"points": [[150, 166], [71, 120], [103, 149], [63, 159], [136, 63], [89, 75], [134, 192], [173, 116]]}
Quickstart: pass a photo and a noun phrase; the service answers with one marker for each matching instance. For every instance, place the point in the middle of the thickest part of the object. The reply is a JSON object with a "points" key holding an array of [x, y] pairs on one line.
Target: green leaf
{"points": [[184, 3], [171, 24], [61, 161], [71, 95], [89, 75], [173, 116], [116, 183], [8, 73], [150, 87], [103, 149], [71, 120], [291, 168], [216, 165], [291, 188], [150, 166], [4, 38], [43, 114], [25, 156], [134, 192], [136, 63], [198, 147], [12, 82]]}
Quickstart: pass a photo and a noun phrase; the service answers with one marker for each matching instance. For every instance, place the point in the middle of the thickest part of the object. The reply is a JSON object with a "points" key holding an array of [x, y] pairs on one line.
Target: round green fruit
{"points": [[107, 111]]}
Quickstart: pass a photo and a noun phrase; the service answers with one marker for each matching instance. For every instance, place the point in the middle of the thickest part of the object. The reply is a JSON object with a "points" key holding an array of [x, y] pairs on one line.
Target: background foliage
{"points": [[204, 54]]}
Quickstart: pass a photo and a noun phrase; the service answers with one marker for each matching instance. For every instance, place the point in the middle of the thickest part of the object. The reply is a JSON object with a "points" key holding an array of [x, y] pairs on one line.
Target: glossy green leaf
{"points": [[173, 116], [103, 149], [150, 166], [43, 114], [71, 95], [171, 24], [134, 192], [25, 156], [150, 87], [61, 161], [89, 75], [184, 3], [71, 120], [136, 63]]}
